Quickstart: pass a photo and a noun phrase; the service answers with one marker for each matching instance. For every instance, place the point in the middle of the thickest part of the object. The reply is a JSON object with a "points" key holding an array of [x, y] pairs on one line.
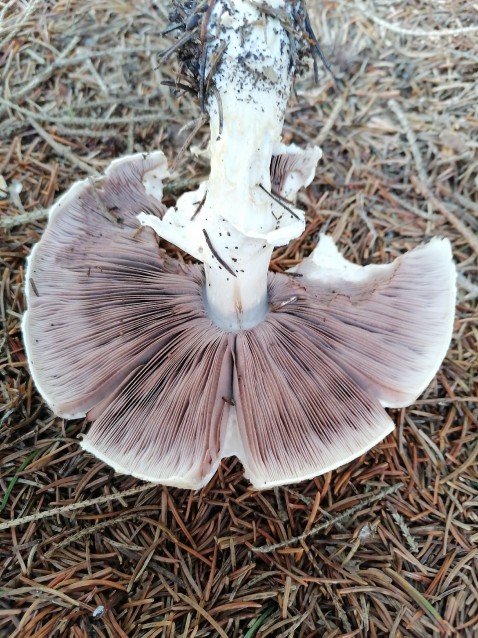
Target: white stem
{"points": [[246, 109], [239, 223], [239, 303]]}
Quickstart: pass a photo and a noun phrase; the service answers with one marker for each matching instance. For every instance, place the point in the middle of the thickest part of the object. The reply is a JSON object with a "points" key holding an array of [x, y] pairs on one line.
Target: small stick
{"points": [[88, 531], [179, 85], [279, 200], [417, 33], [412, 140], [41, 116], [61, 60], [462, 228], [202, 120], [61, 149], [316, 50], [24, 218], [202, 64], [200, 205], [170, 29], [324, 131], [66, 509], [217, 256], [267, 549], [202, 72], [214, 65], [165, 55]]}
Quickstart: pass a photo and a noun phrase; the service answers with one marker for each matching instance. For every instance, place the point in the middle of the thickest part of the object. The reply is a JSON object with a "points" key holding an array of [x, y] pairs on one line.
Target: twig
{"points": [[266, 549], [203, 56], [66, 509], [184, 39], [80, 121], [422, 183], [199, 206], [471, 288], [412, 140], [463, 202], [459, 470], [87, 531], [217, 255], [197, 126], [213, 66], [279, 200], [13, 28], [324, 131], [417, 156], [468, 234], [418, 33], [316, 49], [398, 518], [179, 86], [39, 78], [63, 61], [62, 150]]}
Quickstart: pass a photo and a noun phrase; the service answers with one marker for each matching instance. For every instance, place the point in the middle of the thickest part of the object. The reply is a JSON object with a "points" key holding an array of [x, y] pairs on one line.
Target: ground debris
{"points": [[85, 552]]}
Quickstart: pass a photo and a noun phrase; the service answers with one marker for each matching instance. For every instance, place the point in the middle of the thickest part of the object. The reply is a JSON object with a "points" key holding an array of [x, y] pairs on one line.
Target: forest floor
{"points": [[384, 546]]}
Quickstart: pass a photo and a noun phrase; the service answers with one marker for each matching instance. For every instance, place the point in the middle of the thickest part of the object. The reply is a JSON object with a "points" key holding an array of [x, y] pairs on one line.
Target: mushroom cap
{"points": [[117, 331]]}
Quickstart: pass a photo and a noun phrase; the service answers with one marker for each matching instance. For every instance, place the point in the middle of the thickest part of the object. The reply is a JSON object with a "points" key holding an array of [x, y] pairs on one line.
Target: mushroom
{"points": [[178, 366]]}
